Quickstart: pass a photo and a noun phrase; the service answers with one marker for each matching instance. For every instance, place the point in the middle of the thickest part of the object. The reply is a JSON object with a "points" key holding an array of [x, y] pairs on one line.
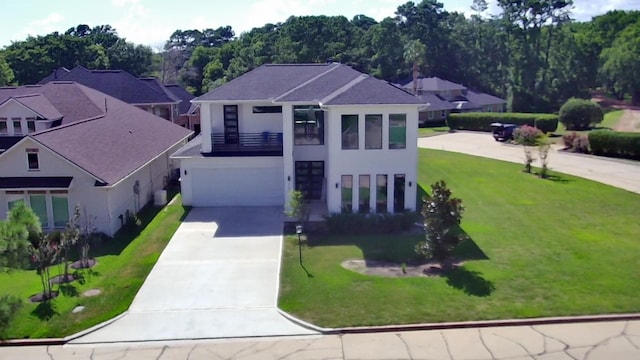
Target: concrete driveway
{"points": [[619, 173], [218, 277]]}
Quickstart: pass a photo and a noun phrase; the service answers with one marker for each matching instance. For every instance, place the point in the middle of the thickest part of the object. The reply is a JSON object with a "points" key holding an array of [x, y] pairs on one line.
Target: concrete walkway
{"points": [[217, 278], [602, 340], [619, 173]]}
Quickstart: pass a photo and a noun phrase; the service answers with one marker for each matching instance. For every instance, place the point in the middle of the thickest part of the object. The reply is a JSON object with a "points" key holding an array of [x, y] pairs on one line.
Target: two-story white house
{"points": [[343, 138]]}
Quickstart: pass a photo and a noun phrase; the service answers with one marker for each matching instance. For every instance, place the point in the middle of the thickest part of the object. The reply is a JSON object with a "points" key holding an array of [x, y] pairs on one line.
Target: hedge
{"points": [[615, 144], [481, 121]]}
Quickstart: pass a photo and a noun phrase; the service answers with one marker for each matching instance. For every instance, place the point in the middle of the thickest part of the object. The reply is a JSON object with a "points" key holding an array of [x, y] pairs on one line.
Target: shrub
{"points": [[528, 135], [9, 305], [580, 114], [576, 142], [482, 121], [615, 144], [358, 224]]}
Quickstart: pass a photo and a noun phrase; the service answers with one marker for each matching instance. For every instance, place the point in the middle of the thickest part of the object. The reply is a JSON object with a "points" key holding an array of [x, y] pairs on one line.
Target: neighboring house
{"points": [[442, 97], [343, 138], [76, 145], [170, 102]]}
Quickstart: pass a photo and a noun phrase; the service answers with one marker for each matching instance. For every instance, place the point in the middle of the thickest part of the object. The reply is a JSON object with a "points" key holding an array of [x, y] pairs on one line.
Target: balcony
{"points": [[246, 144]]}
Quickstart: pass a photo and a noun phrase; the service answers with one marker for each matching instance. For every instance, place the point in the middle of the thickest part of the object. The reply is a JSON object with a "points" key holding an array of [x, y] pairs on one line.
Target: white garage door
{"points": [[238, 186]]}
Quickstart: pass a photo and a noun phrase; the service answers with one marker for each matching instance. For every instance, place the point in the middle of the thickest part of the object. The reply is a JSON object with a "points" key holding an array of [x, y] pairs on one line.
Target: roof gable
{"points": [[371, 91]]}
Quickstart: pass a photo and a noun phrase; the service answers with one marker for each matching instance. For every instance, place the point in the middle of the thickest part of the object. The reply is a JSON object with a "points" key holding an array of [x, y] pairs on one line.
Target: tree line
{"points": [[531, 53]]}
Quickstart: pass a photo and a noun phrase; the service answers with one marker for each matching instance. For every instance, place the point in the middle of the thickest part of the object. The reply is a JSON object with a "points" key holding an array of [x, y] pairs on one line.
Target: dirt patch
{"points": [[86, 264], [629, 121], [40, 297], [390, 269], [61, 279]]}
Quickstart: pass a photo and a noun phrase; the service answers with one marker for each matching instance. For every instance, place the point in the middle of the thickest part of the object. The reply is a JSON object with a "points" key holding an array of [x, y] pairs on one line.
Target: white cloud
{"points": [[46, 25], [138, 23]]}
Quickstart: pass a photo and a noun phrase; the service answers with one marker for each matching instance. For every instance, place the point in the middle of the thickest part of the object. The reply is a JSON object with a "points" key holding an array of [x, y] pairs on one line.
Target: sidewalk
{"points": [[624, 174], [616, 340]]}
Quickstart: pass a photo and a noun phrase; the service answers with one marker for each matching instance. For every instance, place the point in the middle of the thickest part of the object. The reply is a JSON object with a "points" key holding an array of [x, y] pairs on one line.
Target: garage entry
{"points": [[239, 186]]}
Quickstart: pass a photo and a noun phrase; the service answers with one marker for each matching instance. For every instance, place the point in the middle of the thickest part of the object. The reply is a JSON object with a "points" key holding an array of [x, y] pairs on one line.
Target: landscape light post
{"points": [[299, 232]]}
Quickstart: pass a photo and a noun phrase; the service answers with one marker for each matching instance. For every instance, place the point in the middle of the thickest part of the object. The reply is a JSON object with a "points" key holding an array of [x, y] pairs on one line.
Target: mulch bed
{"points": [[390, 269], [40, 297], [87, 264], [60, 279]]}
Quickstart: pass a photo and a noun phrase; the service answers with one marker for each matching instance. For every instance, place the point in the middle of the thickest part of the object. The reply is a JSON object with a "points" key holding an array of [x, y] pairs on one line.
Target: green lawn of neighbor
{"points": [[610, 120], [432, 131], [123, 264], [565, 246]]}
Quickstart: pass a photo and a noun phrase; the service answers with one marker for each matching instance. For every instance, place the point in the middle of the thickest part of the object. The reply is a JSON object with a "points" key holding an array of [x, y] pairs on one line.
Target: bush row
{"points": [[481, 121], [615, 144], [358, 224]]}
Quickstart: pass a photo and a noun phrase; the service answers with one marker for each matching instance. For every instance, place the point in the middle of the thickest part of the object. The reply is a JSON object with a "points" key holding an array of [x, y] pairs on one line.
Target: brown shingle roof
{"points": [[109, 145]]}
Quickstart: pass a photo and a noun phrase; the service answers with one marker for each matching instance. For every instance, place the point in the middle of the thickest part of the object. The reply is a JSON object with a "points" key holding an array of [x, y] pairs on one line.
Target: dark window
{"points": [[398, 193], [349, 132], [17, 126], [3, 127], [347, 193], [32, 160], [373, 132], [308, 125], [31, 125], [381, 193], [267, 109], [364, 194], [310, 178], [231, 133]]}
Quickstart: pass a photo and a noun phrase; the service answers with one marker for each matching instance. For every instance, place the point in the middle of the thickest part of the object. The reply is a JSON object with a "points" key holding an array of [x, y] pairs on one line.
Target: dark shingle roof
{"points": [[59, 182], [434, 84], [109, 145], [182, 95], [372, 91], [329, 84], [55, 75], [434, 103], [117, 83], [55, 100], [267, 82], [482, 99], [8, 141]]}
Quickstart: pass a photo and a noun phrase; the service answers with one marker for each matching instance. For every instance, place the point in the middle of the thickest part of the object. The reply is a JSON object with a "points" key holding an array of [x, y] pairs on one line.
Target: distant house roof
{"points": [[8, 141], [182, 95], [117, 83], [57, 74], [433, 102], [434, 84], [482, 99], [107, 138], [329, 84]]}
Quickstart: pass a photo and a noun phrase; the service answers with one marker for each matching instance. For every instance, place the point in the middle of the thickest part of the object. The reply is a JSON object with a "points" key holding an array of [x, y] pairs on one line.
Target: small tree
{"points": [[580, 114], [298, 208], [87, 233], [543, 151], [442, 215], [69, 238], [528, 136], [43, 255]]}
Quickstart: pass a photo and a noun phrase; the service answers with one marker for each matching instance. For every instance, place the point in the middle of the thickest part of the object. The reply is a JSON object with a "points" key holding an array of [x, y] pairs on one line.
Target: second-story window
{"points": [[17, 126], [32, 161], [31, 125], [349, 132], [308, 125], [397, 131], [373, 132]]}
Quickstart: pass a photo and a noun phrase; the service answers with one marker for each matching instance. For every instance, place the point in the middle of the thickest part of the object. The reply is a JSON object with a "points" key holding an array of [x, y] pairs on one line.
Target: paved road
{"points": [[217, 277], [619, 173], [602, 340]]}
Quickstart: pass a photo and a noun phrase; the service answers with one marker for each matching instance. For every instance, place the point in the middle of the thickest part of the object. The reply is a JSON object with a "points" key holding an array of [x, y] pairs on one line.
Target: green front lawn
{"points": [[565, 246], [123, 264], [432, 131]]}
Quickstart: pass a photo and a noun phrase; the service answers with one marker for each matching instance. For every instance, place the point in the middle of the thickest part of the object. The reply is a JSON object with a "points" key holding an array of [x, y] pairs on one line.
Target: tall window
{"points": [[4, 130], [347, 193], [365, 194], [308, 125], [17, 126], [398, 193], [381, 193], [373, 132], [397, 131], [349, 132], [60, 206], [38, 201], [32, 161]]}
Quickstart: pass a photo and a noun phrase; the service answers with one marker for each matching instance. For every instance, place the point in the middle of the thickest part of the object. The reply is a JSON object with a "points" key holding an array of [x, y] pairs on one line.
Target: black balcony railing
{"points": [[247, 144]]}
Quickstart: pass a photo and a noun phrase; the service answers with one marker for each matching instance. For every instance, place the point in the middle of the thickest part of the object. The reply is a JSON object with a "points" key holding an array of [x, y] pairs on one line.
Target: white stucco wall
{"points": [[371, 162]]}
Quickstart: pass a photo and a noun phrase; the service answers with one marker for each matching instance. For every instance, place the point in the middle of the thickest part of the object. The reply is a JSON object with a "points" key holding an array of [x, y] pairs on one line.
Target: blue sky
{"points": [[151, 22]]}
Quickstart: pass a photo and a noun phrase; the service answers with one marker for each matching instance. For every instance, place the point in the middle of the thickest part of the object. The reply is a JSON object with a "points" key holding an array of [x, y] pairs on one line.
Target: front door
{"points": [[309, 178], [231, 133]]}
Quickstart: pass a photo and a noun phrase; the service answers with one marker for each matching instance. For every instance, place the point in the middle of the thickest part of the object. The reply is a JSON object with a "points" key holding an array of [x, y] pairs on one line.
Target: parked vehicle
{"points": [[503, 132]]}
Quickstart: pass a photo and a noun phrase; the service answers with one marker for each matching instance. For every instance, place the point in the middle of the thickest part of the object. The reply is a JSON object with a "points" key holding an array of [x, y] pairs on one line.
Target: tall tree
{"points": [[621, 63], [6, 74]]}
